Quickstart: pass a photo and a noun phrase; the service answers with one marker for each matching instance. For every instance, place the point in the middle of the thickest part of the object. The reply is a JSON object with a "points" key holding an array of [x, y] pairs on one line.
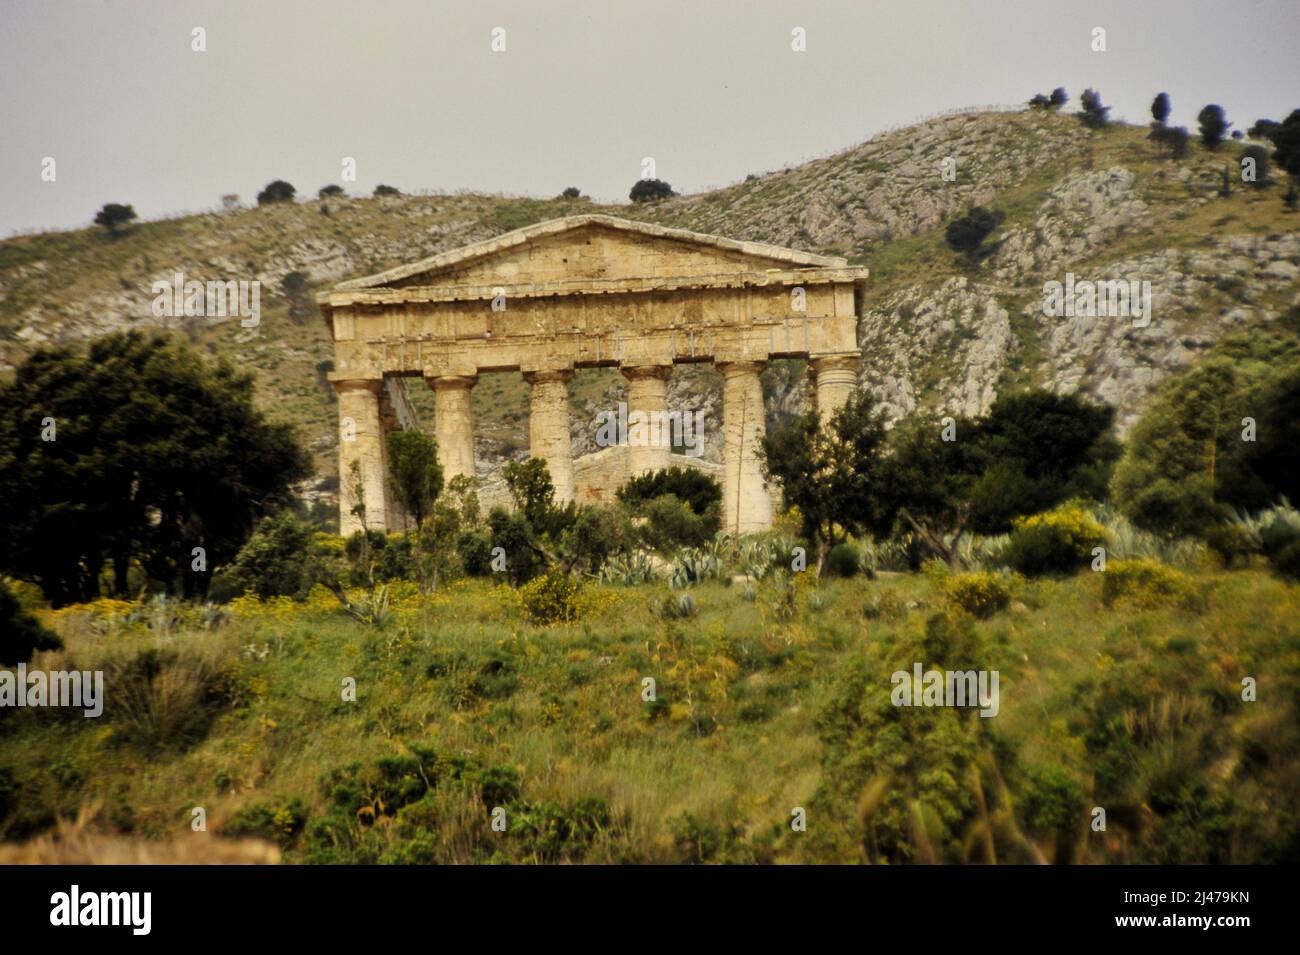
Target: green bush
{"points": [[275, 562], [551, 599], [1053, 800], [280, 822], [697, 489], [597, 535], [1146, 584], [674, 607], [21, 634], [670, 523], [1059, 541], [844, 561], [979, 594]]}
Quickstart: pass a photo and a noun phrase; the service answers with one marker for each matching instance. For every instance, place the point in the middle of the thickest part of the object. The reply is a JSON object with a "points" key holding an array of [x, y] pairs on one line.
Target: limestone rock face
{"points": [[961, 322]]}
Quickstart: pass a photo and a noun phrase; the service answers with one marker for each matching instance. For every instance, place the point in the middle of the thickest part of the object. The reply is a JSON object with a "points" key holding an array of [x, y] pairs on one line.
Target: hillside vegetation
{"points": [[767, 700], [935, 333]]}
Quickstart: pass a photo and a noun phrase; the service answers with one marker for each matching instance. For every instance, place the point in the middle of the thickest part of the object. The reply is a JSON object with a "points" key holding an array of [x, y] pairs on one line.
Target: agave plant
{"points": [[627, 571], [673, 607], [1127, 541], [692, 565]]}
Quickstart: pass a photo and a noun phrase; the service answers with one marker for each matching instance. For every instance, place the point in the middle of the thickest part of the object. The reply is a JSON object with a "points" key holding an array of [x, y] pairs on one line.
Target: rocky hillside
{"points": [[936, 333]]}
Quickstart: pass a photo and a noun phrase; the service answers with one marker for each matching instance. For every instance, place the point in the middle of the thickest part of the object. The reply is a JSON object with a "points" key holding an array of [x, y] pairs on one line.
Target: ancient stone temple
{"points": [[584, 291]]}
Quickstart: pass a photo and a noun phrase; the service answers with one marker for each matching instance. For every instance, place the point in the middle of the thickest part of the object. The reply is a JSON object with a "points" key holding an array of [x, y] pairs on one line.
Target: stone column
{"points": [[837, 379], [746, 504], [453, 426], [548, 427], [647, 392], [361, 443]]}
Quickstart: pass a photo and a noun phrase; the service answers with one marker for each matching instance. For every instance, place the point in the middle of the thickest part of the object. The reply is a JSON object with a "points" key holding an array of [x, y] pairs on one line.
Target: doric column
{"points": [[837, 379], [361, 444], [746, 504], [649, 447], [452, 425], [548, 427]]}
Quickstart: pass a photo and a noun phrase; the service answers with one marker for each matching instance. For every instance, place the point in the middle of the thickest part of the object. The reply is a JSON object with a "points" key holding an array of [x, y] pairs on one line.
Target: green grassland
{"points": [[767, 700]]}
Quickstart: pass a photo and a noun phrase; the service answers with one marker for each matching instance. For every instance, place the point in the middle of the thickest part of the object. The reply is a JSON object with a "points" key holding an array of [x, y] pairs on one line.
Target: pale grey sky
{"points": [[711, 89]]}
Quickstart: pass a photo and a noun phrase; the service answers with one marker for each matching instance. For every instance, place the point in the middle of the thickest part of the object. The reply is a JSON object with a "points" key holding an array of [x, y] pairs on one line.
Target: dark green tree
{"points": [[277, 561], [1188, 464], [415, 471], [927, 480], [113, 216], [330, 191], [698, 489], [966, 234], [832, 474], [1160, 108], [650, 190], [134, 450], [1058, 98], [21, 634], [1034, 450], [530, 486], [1286, 142], [1093, 114], [277, 191], [1213, 125]]}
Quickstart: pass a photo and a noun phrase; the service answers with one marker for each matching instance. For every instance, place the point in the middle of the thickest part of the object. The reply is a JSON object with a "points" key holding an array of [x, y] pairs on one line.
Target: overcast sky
{"points": [[711, 89]]}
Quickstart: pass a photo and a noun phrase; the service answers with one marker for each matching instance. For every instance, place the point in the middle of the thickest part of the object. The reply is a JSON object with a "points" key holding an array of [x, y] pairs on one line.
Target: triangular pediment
{"points": [[594, 248]]}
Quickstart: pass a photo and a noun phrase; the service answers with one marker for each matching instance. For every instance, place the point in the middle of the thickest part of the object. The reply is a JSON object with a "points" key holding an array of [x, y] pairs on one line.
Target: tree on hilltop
{"points": [[277, 191], [1160, 108], [1213, 125], [113, 216]]}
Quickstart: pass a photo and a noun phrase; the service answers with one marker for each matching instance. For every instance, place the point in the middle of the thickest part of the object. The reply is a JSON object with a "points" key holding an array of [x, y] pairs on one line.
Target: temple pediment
{"points": [[591, 249]]}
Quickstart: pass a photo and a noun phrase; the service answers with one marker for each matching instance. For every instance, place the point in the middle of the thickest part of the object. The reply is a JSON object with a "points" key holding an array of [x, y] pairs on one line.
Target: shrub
{"points": [[277, 191], [1059, 541], [669, 523], [691, 566], [1213, 125], [1092, 113], [383, 190], [650, 190], [979, 594], [597, 535], [844, 561], [165, 699], [328, 192], [275, 562], [627, 570], [114, 215], [280, 822], [887, 605], [1146, 584], [697, 489], [553, 598], [966, 233], [698, 842], [21, 634], [674, 607], [1053, 800]]}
